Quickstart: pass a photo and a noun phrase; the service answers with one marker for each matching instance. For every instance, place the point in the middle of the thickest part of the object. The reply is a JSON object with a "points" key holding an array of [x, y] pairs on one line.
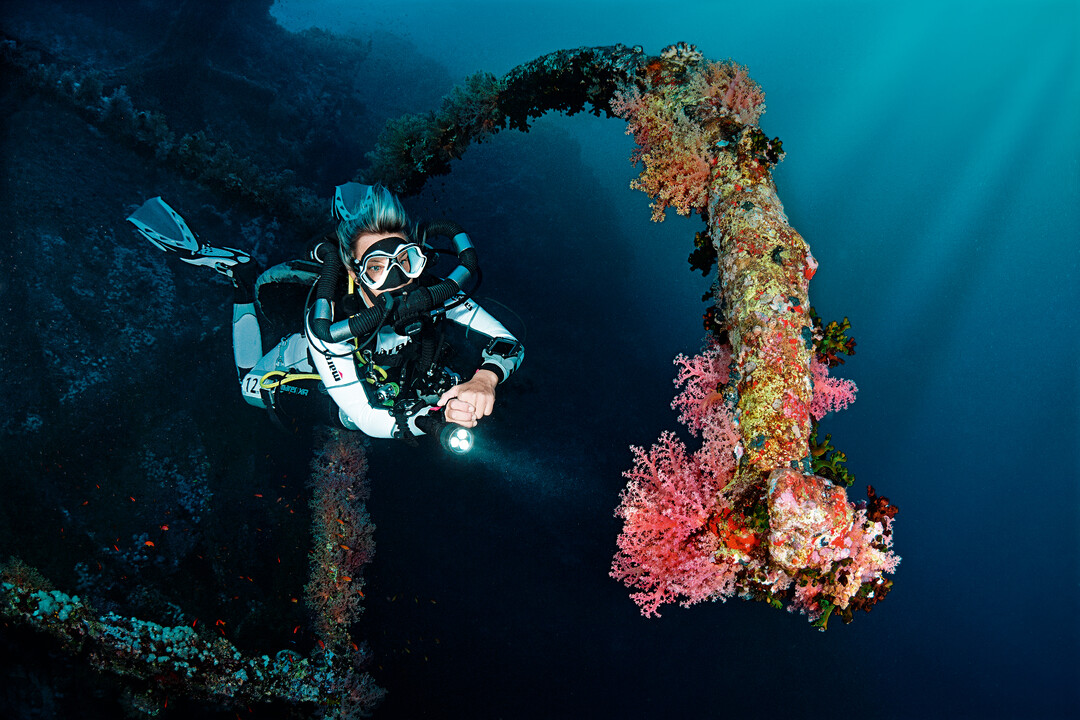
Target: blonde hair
{"points": [[380, 213]]}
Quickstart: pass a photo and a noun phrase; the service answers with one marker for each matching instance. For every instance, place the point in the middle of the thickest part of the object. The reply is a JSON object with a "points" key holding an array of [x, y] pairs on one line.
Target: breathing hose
{"points": [[420, 302]]}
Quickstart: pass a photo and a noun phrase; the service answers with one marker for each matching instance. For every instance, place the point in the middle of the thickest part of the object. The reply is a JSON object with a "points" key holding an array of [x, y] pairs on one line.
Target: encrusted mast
{"points": [[757, 510], [695, 122]]}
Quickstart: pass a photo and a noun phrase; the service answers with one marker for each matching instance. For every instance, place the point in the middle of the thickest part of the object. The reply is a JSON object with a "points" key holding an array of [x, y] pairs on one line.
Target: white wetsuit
{"points": [[336, 365]]}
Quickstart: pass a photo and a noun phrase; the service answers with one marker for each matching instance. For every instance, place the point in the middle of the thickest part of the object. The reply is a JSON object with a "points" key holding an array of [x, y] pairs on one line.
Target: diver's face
{"points": [[376, 265]]}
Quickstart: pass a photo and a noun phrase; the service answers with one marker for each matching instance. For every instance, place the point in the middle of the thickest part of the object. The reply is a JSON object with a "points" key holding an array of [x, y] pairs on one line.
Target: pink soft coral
{"points": [[665, 549], [829, 393], [703, 409], [701, 378], [670, 547], [672, 148], [730, 86], [344, 537]]}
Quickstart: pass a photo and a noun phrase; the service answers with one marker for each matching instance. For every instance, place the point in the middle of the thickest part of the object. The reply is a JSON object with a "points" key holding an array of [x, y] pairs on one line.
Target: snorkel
{"points": [[350, 200]]}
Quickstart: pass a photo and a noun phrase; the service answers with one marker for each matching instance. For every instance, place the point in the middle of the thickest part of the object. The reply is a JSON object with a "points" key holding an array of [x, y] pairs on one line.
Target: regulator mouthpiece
{"points": [[456, 439]]}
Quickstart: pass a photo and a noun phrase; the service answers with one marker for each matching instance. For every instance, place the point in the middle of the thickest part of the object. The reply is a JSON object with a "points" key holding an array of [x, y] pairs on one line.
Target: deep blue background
{"points": [[933, 167]]}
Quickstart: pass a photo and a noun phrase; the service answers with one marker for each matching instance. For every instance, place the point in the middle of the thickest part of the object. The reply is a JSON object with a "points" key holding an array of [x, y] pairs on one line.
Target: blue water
{"points": [[933, 165]]}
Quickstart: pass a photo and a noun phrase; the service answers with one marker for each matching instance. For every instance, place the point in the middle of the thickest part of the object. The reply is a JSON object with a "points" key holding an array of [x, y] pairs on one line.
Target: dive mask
{"points": [[390, 262]]}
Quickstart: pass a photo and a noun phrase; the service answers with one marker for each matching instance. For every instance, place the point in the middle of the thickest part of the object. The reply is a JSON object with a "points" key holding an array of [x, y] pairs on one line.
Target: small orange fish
{"points": [[345, 547], [149, 543], [164, 527], [346, 578]]}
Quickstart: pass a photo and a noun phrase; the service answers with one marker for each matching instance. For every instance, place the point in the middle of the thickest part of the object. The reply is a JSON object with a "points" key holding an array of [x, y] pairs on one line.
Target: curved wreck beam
{"points": [[413, 148], [695, 123], [756, 511]]}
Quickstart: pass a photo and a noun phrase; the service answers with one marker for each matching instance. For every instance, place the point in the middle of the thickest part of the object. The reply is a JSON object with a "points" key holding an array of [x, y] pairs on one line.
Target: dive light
{"points": [[456, 439]]}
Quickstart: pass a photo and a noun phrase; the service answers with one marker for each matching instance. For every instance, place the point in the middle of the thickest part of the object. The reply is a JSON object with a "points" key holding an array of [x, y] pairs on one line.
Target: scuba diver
{"points": [[373, 352]]}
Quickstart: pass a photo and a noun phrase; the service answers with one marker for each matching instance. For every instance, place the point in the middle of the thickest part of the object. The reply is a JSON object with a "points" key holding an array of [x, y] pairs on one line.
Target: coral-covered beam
{"points": [[695, 122], [343, 538], [413, 148], [765, 268], [565, 81], [696, 525], [174, 659]]}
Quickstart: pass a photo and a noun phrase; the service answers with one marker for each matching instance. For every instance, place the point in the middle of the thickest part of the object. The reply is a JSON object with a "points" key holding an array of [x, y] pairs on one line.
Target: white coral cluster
{"points": [[682, 54]]}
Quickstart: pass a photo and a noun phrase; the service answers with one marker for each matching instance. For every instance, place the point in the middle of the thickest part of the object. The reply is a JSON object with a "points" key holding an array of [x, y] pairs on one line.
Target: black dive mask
{"points": [[390, 262]]}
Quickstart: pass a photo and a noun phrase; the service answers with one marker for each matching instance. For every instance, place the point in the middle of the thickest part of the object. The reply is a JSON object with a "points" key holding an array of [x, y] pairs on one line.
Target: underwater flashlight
{"points": [[456, 439]]}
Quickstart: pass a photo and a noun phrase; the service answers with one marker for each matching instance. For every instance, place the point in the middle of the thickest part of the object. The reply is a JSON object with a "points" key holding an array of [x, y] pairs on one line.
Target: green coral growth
{"points": [[414, 147], [832, 340], [822, 623], [828, 462], [764, 148], [704, 255], [757, 516], [764, 593], [713, 320]]}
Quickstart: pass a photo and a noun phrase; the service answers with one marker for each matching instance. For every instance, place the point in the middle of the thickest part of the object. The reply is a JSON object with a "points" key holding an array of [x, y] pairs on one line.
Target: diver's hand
{"points": [[466, 403]]}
